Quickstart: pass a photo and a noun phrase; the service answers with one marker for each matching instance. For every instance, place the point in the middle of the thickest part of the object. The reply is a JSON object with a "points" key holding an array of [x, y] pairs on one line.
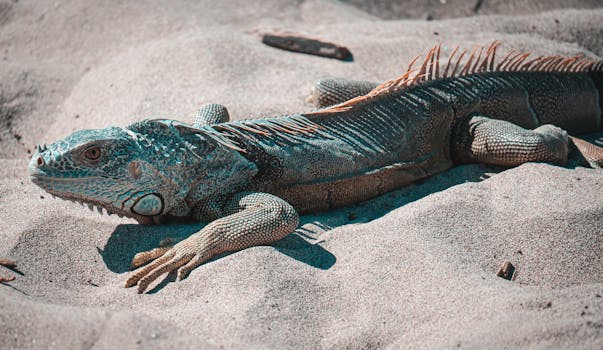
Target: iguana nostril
{"points": [[40, 161]]}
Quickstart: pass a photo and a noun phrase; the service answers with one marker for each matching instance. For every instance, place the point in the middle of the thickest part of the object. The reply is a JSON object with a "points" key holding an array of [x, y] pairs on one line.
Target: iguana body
{"points": [[250, 179]]}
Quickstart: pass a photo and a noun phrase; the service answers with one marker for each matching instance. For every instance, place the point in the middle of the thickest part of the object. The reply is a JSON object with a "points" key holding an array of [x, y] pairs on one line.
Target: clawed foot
{"points": [[166, 259]]}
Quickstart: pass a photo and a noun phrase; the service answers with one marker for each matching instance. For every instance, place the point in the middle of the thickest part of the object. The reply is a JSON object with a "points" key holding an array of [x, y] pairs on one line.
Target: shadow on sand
{"points": [[303, 245], [128, 240]]}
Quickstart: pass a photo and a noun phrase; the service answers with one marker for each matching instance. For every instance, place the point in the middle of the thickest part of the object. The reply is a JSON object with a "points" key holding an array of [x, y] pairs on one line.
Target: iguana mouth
{"points": [[41, 180]]}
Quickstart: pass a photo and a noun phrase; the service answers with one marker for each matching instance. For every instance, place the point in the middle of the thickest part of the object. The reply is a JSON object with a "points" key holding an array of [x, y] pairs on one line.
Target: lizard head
{"points": [[109, 168]]}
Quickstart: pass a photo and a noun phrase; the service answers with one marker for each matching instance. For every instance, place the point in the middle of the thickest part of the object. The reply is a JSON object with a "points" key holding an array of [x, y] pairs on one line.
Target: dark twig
{"points": [[7, 279], [8, 263], [303, 44]]}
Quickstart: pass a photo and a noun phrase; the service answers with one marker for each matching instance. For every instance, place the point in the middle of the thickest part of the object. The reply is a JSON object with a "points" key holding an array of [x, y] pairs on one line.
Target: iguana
{"points": [[250, 178]]}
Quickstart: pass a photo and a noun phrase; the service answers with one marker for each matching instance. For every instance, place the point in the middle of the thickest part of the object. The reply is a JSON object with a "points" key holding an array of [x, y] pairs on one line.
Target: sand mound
{"points": [[414, 268]]}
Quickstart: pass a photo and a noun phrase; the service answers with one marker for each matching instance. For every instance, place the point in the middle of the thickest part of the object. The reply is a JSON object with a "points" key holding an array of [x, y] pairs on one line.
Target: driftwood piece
{"points": [[8, 263], [7, 279], [303, 44]]}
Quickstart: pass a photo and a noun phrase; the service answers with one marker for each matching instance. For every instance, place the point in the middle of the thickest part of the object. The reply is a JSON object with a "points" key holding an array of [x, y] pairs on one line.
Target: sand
{"points": [[415, 268]]}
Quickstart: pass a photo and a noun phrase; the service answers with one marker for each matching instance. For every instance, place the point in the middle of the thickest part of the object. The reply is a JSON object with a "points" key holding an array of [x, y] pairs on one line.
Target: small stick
{"points": [[506, 271], [303, 44], [8, 263], [7, 279]]}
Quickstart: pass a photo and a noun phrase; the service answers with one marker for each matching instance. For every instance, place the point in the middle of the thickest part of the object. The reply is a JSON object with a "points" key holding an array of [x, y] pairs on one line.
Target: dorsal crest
{"points": [[227, 134], [461, 63]]}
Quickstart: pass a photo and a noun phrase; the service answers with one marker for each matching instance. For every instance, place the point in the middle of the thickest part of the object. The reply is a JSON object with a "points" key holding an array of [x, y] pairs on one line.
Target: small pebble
{"points": [[506, 271]]}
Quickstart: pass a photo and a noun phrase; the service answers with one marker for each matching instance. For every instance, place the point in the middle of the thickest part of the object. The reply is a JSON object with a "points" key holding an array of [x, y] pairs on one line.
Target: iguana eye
{"points": [[92, 153]]}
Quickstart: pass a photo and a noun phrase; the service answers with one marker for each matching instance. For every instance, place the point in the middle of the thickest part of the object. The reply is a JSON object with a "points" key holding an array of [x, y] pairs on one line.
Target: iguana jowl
{"points": [[250, 179]]}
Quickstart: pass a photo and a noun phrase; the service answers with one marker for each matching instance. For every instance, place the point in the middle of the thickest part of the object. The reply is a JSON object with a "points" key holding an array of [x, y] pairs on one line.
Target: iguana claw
{"points": [[165, 260]]}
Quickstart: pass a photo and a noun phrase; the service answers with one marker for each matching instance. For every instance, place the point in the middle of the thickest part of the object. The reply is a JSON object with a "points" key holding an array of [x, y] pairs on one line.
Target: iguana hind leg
{"points": [[485, 140], [331, 91], [210, 114]]}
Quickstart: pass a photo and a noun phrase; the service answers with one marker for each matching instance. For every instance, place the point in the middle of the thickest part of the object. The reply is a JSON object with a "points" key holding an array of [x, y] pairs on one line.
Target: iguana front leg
{"points": [[250, 219], [210, 114]]}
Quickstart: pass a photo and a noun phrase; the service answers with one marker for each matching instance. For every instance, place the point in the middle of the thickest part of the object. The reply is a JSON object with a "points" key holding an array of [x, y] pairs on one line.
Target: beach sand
{"points": [[415, 268]]}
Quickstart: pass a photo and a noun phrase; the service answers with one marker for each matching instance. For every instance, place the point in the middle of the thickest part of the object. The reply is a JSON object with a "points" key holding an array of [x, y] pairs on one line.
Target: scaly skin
{"points": [[250, 179]]}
